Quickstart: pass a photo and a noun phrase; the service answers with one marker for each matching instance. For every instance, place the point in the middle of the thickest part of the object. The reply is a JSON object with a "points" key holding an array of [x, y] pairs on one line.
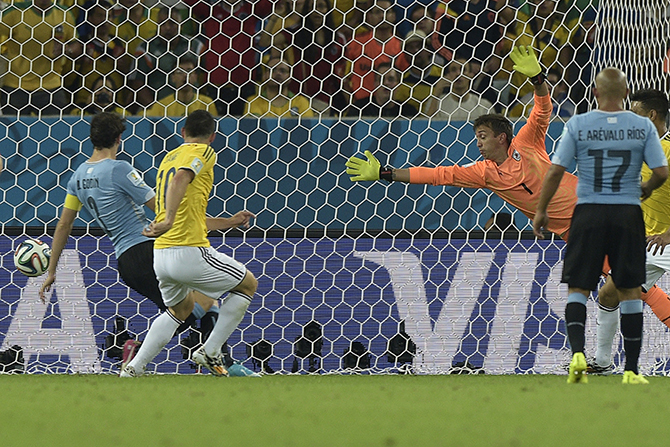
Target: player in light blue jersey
{"points": [[115, 194], [609, 145]]}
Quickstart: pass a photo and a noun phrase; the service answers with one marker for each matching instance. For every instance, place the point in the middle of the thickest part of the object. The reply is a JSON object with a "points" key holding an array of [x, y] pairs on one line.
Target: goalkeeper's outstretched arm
{"points": [[472, 176], [399, 175]]}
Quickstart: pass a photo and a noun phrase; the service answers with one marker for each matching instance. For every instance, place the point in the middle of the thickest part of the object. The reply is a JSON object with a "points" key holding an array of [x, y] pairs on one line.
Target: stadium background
{"points": [[363, 262]]}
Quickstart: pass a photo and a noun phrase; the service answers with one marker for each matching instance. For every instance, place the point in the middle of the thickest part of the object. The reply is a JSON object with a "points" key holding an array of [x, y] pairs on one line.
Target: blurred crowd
{"points": [[289, 58]]}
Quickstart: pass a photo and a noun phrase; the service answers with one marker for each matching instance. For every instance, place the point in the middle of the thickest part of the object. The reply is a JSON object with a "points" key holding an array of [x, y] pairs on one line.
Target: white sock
{"points": [[160, 333], [607, 325], [231, 313]]}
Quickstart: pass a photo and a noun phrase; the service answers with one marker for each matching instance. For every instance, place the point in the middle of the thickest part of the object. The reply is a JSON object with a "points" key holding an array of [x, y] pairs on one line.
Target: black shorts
{"points": [[136, 267], [596, 231]]}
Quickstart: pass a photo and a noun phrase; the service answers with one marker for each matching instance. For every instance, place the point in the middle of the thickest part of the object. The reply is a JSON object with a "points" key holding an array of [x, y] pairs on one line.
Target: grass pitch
{"points": [[415, 411]]}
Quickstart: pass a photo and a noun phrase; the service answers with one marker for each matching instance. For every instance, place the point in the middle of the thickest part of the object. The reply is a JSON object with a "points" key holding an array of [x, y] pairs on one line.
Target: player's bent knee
{"points": [[203, 300], [608, 299], [184, 308], [248, 285]]}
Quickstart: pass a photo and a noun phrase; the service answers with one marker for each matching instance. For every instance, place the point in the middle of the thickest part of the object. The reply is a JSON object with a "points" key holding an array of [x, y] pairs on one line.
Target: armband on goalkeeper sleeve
{"points": [[386, 173], [538, 79]]}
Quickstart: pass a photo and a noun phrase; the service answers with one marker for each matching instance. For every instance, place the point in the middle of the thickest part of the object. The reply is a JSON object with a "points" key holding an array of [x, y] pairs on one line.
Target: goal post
{"points": [[632, 36]]}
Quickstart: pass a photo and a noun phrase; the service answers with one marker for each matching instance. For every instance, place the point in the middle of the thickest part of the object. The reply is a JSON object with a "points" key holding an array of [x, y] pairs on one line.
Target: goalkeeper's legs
{"points": [[656, 266], [608, 318], [659, 302]]}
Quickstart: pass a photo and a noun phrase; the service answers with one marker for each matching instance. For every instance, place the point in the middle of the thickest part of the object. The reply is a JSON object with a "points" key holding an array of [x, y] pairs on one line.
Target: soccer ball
{"points": [[32, 257]]}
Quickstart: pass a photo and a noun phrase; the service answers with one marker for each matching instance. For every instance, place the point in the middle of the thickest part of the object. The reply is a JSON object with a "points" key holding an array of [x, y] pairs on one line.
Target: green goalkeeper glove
{"points": [[525, 61], [362, 170]]}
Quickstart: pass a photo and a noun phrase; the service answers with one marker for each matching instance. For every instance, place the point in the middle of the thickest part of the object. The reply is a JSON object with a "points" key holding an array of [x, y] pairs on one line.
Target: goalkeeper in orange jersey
{"points": [[513, 167]]}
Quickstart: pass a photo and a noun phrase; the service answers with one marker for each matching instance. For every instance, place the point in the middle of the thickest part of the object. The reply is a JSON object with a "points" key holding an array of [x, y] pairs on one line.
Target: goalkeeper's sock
{"points": [[230, 315], [659, 302], [575, 321], [631, 329], [160, 333], [607, 325]]}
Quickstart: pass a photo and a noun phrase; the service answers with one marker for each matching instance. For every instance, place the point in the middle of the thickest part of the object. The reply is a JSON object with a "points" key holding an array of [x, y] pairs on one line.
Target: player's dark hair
{"points": [[105, 129], [652, 99], [498, 124], [199, 123]]}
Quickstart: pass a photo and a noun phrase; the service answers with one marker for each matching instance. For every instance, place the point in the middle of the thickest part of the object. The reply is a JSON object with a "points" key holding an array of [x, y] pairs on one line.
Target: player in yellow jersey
{"points": [[656, 209], [35, 36], [183, 257]]}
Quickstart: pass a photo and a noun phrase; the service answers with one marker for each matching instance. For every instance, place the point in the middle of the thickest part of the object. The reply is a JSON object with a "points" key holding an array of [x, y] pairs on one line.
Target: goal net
{"points": [[369, 277]]}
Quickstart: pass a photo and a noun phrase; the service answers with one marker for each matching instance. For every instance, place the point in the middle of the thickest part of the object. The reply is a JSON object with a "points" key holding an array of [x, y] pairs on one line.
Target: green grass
{"points": [[415, 411]]}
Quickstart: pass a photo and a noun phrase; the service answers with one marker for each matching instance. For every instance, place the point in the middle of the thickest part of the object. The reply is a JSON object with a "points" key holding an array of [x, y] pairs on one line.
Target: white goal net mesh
{"points": [[372, 277]]}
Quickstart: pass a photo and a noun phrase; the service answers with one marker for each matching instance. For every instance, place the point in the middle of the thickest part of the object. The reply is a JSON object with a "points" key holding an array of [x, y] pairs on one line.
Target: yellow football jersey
{"points": [[27, 35], [297, 105], [133, 34], [190, 225], [656, 208], [415, 91], [170, 106]]}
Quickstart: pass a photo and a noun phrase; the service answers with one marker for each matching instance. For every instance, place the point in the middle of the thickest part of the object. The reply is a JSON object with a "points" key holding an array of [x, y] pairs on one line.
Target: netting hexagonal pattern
{"points": [[351, 277]]}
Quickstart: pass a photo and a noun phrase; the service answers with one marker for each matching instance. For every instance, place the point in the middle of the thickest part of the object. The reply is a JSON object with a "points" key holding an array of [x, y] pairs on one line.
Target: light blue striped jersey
{"points": [[609, 148], [114, 193]]}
